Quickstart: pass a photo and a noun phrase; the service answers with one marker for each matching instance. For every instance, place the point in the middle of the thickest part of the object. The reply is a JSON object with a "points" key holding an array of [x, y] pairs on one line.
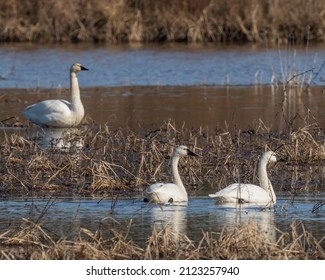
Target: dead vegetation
{"points": [[247, 241], [162, 21], [99, 160]]}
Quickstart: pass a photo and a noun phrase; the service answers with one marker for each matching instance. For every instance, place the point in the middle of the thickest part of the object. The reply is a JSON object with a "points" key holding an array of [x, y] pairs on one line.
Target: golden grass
{"points": [[246, 241], [291, 21]]}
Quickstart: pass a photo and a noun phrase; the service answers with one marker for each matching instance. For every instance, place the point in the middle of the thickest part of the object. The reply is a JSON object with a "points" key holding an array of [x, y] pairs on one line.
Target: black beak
{"points": [[190, 153], [83, 68]]}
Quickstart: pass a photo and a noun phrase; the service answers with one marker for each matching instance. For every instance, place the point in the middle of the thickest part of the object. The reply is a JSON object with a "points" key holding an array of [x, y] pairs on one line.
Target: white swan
{"points": [[59, 112], [170, 192], [248, 193]]}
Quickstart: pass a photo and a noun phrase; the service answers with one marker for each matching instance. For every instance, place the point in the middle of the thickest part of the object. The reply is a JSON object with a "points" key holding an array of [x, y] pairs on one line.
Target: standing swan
{"points": [[170, 192], [248, 193], [59, 112]]}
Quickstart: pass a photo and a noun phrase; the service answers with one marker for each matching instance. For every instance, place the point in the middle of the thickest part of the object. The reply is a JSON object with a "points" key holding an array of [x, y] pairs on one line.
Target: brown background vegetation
{"points": [[293, 21]]}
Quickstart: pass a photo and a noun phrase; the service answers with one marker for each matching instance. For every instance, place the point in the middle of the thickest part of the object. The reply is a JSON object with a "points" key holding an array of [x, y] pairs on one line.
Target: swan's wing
{"points": [[48, 112], [243, 193], [163, 193]]}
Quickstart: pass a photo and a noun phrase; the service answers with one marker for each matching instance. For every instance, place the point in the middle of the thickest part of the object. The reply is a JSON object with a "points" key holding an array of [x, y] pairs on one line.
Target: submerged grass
{"points": [[158, 21]]}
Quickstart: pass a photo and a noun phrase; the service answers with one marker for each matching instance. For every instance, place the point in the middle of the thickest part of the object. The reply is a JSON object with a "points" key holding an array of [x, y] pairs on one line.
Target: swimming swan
{"points": [[59, 112], [170, 192], [248, 193]]}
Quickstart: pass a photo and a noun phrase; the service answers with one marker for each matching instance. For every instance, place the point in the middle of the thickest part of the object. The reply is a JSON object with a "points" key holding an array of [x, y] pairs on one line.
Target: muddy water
{"points": [[150, 107]]}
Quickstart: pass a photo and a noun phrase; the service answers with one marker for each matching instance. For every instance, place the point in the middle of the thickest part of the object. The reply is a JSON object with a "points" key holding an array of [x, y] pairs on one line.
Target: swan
{"points": [[249, 193], [59, 112], [170, 192]]}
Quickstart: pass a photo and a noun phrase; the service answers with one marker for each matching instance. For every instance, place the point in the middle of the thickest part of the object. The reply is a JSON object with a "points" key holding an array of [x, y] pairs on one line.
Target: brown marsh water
{"points": [[150, 107]]}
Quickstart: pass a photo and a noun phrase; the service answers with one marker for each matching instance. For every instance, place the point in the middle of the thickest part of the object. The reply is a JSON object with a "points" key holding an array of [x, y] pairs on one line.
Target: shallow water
{"points": [[65, 216], [33, 66], [149, 107], [144, 85]]}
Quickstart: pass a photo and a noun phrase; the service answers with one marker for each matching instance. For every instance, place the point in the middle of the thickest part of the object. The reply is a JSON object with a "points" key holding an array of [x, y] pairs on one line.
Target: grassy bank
{"points": [[293, 21]]}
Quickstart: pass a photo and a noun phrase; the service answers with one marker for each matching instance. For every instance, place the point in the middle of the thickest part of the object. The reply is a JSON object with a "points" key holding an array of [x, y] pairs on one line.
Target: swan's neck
{"points": [[265, 183], [76, 104], [176, 178]]}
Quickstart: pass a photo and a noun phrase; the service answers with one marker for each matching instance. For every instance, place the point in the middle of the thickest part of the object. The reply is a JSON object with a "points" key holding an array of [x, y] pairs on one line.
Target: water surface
{"points": [[65, 216], [142, 86], [47, 66], [150, 107]]}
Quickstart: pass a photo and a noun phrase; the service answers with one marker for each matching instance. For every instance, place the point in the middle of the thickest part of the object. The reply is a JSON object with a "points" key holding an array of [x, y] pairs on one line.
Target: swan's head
{"points": [[270, 156], [183, 151], [77, 67]]}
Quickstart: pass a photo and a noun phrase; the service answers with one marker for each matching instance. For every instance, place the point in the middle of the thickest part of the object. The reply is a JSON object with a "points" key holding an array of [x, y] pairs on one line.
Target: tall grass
{"points": [[294, 21]]}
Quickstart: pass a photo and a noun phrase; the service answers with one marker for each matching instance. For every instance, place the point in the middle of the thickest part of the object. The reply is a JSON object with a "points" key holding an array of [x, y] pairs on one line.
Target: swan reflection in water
{"points": [[63, 138], [191, 218], [231, 217], [173, 216]]}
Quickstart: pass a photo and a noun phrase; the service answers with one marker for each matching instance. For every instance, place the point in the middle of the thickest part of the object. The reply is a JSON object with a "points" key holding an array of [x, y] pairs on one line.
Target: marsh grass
{"points": [[159, 21], [122, 162], [246, 241]]}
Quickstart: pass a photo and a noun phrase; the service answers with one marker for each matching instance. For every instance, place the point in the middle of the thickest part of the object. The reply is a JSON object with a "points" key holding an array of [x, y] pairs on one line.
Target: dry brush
{"points": [[162, 21]]}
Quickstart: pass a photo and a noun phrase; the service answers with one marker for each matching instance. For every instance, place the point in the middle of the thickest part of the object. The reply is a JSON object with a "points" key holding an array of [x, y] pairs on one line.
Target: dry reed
{"points": [[247, 241], [159, 21], [124, 162]]}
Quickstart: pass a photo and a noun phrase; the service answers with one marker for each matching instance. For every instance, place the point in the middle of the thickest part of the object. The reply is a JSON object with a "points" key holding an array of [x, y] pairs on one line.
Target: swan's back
{"points": [[163, 193], [242, 193], [249, 193], [55, 113]]}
